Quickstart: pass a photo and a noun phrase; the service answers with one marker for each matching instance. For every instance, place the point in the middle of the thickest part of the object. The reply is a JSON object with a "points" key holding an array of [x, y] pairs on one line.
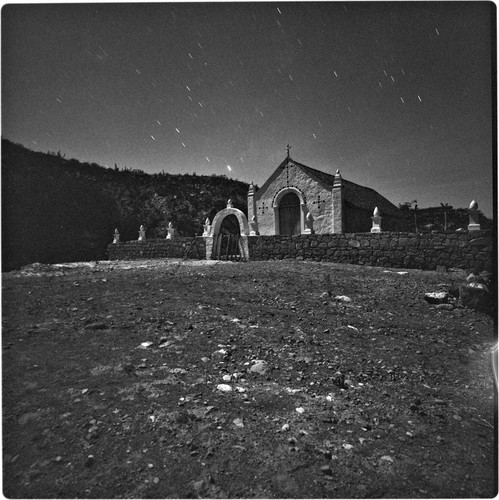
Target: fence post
{"points": [[253, 224], [474, 224], [309, 224], [206, 227], [376, 219], [171, 232]]}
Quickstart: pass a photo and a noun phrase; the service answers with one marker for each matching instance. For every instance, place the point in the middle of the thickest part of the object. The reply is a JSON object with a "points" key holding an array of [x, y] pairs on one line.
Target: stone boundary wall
{"points": [[474, 250], [470, 250], [180, 247]]}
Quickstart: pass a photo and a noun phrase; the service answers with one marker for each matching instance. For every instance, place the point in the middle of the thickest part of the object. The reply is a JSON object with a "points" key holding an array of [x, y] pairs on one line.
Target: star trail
{"points": [[398, 96]]}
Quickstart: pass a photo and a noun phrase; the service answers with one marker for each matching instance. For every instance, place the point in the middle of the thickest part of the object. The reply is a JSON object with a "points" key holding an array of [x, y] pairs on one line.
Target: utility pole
{"points": [[445, 207]]}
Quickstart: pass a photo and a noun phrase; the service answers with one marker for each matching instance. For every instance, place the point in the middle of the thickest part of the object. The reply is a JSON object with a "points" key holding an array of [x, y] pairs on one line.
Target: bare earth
{"points": [[112, 378]]}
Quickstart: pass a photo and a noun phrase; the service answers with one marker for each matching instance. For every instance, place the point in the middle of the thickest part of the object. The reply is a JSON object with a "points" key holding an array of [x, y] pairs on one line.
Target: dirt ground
{"points": [[178, 379]]}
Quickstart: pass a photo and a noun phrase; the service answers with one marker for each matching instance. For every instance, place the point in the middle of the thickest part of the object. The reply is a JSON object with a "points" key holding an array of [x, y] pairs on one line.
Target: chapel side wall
{"points": [[181, 247], [357, 220], [294, 177], [472, 250]]}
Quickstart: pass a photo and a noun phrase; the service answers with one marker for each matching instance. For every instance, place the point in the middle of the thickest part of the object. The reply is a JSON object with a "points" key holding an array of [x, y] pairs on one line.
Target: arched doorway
{"points": [[289, 215], [228, 236], [228, 244]]}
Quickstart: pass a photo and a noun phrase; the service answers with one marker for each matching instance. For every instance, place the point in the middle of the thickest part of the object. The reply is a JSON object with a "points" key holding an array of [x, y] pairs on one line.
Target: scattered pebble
{"points": [[342, 298], [260, 366], [238, 422]]}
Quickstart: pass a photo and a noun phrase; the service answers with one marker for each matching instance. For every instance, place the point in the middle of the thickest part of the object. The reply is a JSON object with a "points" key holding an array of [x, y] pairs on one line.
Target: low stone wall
{"points": [[474, 250], [181, 247], [471, 250]]}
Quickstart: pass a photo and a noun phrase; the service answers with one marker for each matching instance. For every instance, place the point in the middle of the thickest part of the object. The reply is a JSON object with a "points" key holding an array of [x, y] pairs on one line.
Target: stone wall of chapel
{"points": [[318, 201]]}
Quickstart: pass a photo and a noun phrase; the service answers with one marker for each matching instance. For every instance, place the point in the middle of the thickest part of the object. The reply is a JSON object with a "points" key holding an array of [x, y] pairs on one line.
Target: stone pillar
{"points": [[251, 202], [171, 232], [474, 224], [116, 236], [253, 225], [142, 233], [309, 224], [209, 247], [244, 247], [376, 218], [338, 225], [206, 227]]}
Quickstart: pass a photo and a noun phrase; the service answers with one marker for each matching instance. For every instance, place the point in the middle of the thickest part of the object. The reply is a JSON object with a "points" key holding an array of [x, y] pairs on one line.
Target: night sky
{"points": [[398, 96]]}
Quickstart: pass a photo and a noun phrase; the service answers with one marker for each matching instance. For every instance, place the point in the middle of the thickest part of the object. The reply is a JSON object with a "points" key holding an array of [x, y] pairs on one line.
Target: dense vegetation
{"points": [[58, 210]]}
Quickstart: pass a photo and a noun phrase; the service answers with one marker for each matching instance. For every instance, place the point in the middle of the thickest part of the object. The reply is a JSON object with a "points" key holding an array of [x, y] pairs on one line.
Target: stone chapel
{"points": [[297, 199]]}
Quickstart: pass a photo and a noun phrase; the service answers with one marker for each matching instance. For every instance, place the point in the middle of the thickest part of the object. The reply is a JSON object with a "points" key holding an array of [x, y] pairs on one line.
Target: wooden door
{"points": [[289, 215]]}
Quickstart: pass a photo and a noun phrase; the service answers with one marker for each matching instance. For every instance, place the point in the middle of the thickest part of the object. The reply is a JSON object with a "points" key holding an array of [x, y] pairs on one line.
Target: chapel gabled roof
{"points": [[354, 194]]}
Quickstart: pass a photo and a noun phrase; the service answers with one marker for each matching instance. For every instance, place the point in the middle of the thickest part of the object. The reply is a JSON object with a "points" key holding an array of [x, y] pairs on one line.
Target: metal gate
{"points": [[227, 244], [228, 247]]}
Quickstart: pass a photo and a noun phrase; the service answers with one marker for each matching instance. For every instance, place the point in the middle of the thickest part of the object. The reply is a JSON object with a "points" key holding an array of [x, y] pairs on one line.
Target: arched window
{"points": [[289, 215]]}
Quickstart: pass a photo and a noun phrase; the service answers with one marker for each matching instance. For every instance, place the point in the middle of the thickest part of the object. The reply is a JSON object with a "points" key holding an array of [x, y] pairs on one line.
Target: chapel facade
{"points": [[297, 199]]}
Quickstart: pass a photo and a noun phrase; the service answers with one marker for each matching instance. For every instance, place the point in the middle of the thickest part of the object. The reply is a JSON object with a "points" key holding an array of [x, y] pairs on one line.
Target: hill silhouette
{"points": [[60, 210]]}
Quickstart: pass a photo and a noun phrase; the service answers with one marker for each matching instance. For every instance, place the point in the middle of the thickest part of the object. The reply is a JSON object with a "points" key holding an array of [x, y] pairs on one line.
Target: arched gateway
{"points": [[228, 236]]}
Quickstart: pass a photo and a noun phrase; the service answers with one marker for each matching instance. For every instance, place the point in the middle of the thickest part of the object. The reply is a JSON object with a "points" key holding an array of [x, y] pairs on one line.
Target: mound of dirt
{"points": [[202, 379]]}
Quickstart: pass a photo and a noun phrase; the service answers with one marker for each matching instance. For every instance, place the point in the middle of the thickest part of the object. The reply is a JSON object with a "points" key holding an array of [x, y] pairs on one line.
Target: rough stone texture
{"points": [[294, 179], [408, 250], [476, 298], [182, 247], [346, 207]]}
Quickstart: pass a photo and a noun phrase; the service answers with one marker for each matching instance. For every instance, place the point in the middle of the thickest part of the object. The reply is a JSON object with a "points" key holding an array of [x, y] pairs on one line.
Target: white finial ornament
{"points": [[206, 227], [474, 224], [376, 220], [171, 231]]}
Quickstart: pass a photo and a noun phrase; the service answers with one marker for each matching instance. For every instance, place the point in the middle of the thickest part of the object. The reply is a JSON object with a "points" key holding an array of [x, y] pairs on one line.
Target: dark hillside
{"points": [[59, 210]]}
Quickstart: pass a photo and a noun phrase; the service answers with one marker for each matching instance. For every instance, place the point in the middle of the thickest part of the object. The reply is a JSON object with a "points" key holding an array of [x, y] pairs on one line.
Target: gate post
{"points": [[209, 247], [244, 247]]}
